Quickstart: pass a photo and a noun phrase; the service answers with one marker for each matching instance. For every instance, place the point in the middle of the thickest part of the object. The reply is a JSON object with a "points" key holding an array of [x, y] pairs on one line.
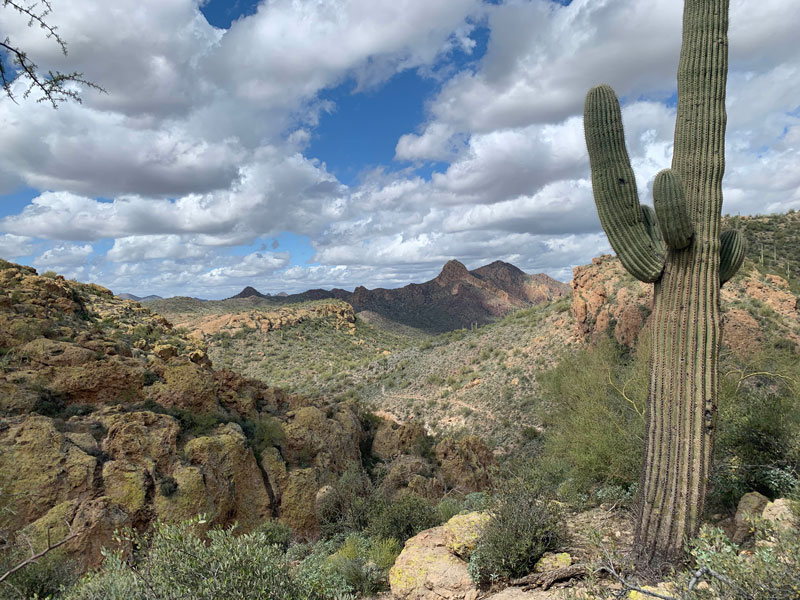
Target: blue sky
{"points": [[360, 142]]}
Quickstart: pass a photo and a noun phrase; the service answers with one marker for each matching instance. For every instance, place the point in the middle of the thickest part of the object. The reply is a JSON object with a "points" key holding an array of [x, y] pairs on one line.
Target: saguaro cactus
{"points": [[679, 249]]}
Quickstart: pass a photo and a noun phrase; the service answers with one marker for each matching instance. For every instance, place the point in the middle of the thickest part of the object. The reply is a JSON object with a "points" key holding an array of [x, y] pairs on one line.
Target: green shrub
{"points": [[40, 579], [758, 439], [524, 525], [364, 563], [176, 562], [277, 533], [168, 486], [403, 517], [768, 573], [449, 508], [595, 424], [346, 507]]}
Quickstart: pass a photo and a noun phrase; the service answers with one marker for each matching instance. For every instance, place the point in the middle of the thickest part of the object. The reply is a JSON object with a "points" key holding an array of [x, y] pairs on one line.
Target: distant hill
{"points": [[773, 242], [458, 298], [150, 298], [454, 299], [249, 292]]}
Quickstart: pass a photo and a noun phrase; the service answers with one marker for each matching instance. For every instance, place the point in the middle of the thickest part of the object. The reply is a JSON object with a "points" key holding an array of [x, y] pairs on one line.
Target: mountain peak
{"points": [[453, 270], [249, 292]]}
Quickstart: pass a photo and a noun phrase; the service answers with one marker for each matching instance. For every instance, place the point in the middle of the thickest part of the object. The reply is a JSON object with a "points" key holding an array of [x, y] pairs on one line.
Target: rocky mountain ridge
{"points": [[110, 417]]}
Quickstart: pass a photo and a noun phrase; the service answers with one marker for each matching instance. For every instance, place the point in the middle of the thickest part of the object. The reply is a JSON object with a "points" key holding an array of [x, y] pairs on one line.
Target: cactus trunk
{"points": [[685, 333], [686, 323]]}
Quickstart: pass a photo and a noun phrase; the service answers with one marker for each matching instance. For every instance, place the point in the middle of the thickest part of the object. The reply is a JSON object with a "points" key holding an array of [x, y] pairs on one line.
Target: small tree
{"points": [[15, 63], [679, 248]]}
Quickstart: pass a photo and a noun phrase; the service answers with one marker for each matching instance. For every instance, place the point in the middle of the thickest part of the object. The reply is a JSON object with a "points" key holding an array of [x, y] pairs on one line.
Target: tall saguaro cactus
{"points": [[679, 249]]}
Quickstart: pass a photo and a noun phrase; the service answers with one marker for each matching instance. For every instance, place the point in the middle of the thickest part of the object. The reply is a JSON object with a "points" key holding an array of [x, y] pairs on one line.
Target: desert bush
{"points": [[524, 524], [364, 563], [176, 562], [347, 506], [41, 579], [595, 426], [277, 533], [769, 572], [403, 517]]}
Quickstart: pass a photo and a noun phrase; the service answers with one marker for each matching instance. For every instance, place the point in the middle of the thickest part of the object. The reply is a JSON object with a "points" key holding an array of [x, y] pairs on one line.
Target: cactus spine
{"points": [[687, 260]]}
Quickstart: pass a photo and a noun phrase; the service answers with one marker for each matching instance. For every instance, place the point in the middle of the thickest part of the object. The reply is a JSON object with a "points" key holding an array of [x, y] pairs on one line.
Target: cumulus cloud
{"points": [[12, 246], [202, 141]]}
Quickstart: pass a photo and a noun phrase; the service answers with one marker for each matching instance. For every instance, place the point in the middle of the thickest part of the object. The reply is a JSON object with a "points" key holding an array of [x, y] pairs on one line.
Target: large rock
{"points": [[42, 468], [781, 514], [461, 533], [142, 438], [750, 506], [427, 570], [466, 463], [233, 482], [328, 441], [393, 439]]}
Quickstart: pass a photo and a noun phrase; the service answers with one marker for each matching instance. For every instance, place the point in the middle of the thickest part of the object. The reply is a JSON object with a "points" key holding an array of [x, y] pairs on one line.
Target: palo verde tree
{"points": [[679, 248], [16, 65]]}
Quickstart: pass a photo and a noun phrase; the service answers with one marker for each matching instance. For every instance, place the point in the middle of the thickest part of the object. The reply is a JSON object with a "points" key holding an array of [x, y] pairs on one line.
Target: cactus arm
{"points": [[614, 187], [731, 254], [670, 204], [653, 228]]}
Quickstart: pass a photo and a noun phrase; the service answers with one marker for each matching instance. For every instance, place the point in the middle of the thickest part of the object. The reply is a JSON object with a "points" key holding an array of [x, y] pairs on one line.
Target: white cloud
{"points": [[12, 246], [202, 142]]}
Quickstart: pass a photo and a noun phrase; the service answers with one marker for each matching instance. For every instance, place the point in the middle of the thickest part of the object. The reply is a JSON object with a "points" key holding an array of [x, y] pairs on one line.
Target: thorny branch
{"points": [[16, 64]]}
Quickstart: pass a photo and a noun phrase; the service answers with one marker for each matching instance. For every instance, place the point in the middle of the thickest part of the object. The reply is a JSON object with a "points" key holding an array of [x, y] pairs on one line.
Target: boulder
{"points": [[781, 514], [298, 502], [234, 484], [461, 533], [427, 570], [751, 505], [142, 438], [329, 442], [42, 468]]}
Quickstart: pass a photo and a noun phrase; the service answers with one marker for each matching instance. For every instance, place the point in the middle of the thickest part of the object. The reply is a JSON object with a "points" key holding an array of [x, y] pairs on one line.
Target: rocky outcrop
{"points": [[393, 439], [231, 319], [459, 298], [109, 418], [606, 299], [750, 506], [466, 464]]}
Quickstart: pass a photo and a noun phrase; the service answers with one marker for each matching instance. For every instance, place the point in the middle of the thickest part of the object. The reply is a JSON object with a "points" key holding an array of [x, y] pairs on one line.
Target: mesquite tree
{"points": [[678, 248]]}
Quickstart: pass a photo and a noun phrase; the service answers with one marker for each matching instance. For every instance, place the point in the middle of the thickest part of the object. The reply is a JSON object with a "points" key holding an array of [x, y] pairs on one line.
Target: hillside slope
{"points": [[110, 417]]}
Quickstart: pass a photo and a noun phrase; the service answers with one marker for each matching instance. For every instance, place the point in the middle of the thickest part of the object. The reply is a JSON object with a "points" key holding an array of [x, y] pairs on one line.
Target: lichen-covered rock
{"points": [[551, 561], [328, 443], [42, 468], [427, 570], [126, 484], [750, 506], [190, 499], [144, 438], [233, 481], [781, 514], [393, 439], [461, 533], [466, 464], [298, 502], [187, 386]]}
